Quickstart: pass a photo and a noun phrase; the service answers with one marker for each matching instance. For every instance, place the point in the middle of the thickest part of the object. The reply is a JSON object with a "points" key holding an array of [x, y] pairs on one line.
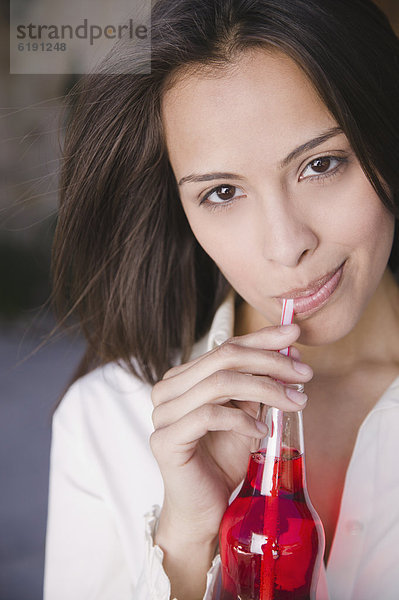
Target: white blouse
{"points": [[106, 490]]}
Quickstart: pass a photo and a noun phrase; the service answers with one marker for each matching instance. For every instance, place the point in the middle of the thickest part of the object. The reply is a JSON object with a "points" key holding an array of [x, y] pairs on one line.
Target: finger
{"points": [[294, 353], [181, 437], [272, 338], [235, 357], [221, 387]]}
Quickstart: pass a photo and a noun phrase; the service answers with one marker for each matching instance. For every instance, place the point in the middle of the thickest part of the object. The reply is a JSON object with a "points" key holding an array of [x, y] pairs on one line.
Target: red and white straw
{"points": [[268, 565], [275, 436], [287, 316]]}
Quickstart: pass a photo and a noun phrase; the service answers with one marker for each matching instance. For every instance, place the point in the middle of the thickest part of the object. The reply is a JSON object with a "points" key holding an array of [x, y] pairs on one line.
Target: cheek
{"points": [[232, 254], [359, 220], [376, 241], [378, 230], [226, 239]]}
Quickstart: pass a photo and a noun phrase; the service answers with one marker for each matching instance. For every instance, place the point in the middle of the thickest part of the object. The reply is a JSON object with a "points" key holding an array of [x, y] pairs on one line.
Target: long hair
{"points": [[125, 260]]}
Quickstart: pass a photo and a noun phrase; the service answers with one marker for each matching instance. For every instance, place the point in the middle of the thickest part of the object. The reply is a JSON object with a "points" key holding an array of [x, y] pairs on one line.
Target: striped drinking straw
{"points": [[268, 564]]}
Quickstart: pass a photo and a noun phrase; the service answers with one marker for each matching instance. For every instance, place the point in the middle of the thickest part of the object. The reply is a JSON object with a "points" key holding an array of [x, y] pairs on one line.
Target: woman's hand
{"points": [[205, 419]]}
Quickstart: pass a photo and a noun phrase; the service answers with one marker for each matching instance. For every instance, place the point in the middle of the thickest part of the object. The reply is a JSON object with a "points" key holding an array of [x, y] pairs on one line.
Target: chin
{"points": [[325, 329]]}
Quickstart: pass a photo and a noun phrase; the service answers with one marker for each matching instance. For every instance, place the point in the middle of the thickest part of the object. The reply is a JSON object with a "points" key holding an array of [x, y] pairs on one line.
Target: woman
{"points": [[257, 161]]}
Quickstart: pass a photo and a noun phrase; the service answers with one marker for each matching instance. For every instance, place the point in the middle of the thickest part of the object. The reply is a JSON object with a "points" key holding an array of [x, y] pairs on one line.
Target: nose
{"points": [[289, 235]]}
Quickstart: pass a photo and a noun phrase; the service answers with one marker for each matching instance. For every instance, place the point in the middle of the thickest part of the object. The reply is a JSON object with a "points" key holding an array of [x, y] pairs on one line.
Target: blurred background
{"points": [[33, 370]]}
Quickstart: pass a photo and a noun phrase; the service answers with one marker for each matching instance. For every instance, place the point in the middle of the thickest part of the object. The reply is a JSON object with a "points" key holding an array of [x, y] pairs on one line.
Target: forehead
{"points": [[263, 103]]}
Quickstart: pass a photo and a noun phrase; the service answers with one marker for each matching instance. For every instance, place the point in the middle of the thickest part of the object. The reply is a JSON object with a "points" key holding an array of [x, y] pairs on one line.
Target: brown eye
{"points": [[321, 165], [222, 195], [225, 192]]}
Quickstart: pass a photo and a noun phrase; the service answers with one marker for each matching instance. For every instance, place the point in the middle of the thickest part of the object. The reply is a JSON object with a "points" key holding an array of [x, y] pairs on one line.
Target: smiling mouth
{"points": [[317, 294]]}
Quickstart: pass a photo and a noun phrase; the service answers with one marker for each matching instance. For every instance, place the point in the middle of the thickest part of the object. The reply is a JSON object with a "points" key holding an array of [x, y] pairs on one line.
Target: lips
{"points": [[317, 294]]}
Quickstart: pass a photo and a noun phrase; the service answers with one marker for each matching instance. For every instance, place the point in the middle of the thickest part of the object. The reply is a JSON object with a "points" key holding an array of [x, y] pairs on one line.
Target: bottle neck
{"points": [[285, 430], [280, 454]]}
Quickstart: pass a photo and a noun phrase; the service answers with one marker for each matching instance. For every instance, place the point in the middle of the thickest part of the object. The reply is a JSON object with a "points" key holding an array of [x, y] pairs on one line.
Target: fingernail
{"points": [[301, 368], [295, 396], [263, 428], [286, 329]]}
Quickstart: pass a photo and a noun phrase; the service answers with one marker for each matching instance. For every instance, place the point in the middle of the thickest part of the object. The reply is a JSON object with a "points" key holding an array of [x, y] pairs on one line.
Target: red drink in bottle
{"points": [[271, 538]]}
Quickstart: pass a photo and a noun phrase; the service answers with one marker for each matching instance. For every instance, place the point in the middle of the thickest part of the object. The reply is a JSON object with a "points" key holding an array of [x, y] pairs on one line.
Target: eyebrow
{"points": [[309, 145]]}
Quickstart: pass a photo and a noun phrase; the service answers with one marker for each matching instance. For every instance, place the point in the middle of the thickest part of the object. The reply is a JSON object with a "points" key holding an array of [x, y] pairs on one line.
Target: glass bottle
{"points": [[271, 539]]}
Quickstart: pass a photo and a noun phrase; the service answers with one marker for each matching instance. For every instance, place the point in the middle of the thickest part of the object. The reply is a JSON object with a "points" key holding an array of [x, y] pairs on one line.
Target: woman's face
{"points": [[275, 195]]}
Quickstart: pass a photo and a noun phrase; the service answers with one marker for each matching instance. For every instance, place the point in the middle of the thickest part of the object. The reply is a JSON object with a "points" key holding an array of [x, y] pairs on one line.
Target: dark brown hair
{"points": [[125, 260]]}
